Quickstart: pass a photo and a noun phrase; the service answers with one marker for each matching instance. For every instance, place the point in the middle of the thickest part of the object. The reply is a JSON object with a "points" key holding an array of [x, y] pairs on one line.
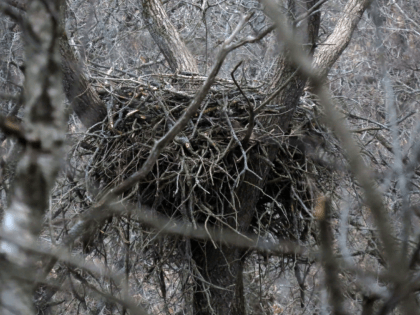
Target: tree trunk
{"points": [[330, 50], [37, 169], [83, 98], [222, 268], [167, 37]]}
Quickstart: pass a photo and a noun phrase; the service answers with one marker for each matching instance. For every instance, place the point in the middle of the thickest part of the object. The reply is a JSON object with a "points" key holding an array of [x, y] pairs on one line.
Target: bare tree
{"points": [[224, 193]]}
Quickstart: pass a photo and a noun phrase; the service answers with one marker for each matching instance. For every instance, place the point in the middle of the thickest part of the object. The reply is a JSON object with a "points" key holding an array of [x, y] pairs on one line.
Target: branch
{"points": [[330, 50], [70, 259], [12, 126], [17, 4], [11, 12], [329, 261], [250, 108]]}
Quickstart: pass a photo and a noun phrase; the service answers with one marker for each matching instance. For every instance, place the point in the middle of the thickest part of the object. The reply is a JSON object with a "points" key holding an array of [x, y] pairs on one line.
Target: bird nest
{"points": [[195, 176]]}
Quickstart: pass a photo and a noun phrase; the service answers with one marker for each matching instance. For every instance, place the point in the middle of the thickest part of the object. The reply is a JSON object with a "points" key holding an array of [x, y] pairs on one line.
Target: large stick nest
{"points": [[195, 177]]}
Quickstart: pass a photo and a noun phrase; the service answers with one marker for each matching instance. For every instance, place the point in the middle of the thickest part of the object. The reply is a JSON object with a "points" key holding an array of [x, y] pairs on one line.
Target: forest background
{"points": [[209, 157]]}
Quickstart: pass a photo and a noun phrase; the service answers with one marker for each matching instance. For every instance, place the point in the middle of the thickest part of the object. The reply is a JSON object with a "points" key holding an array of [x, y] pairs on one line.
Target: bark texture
{"points": [[167, 37], [83, 98], [328, 53], [36, 171]]}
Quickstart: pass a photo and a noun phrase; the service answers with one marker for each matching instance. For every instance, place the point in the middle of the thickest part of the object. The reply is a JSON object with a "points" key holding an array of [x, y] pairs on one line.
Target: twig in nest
{"points": [[250, 108], [232, 132], [198, 120]]}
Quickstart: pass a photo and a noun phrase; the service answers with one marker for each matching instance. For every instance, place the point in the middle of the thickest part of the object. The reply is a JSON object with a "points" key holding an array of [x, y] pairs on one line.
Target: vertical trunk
{"points": [[222, 268], [167, 37], [83, 98], [37, 169]]}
